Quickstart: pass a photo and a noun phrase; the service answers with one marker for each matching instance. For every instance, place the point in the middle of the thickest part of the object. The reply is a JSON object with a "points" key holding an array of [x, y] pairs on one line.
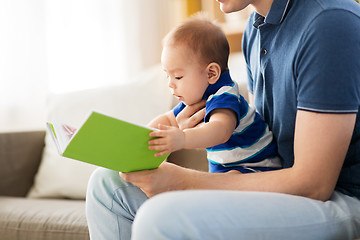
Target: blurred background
{"points": [[53, 46]]}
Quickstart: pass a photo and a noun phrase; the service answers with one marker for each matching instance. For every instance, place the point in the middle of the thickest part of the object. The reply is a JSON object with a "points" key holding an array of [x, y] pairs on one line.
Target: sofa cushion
{"points": [[37, 219], [139, 100], [19, 160]]}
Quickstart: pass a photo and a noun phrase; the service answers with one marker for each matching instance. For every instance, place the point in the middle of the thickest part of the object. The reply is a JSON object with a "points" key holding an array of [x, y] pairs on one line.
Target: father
{"points": [[304, 78]]}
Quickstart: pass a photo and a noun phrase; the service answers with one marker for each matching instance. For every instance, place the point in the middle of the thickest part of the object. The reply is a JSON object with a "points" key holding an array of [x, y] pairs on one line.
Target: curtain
{"points": [[54, 46]]}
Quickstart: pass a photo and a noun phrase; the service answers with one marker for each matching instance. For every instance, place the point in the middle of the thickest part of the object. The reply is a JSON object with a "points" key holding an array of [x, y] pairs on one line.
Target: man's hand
{"points": [[168, 139], [167, 177], [191, 116]]}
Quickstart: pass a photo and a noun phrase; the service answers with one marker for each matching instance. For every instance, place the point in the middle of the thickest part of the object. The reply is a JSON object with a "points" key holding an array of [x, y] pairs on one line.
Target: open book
{"points": [[108, 142]]}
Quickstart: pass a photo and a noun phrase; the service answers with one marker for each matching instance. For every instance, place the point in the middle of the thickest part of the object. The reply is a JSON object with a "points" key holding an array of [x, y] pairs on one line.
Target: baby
{"points": [[195, 58]]}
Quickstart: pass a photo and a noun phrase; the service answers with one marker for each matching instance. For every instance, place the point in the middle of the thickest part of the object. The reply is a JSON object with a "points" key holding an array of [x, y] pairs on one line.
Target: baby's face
{"points": [[187, 78]]}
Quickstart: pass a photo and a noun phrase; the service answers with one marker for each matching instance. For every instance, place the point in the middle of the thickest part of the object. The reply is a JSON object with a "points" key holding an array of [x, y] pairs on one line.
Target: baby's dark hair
{"points": [[204, 37]]}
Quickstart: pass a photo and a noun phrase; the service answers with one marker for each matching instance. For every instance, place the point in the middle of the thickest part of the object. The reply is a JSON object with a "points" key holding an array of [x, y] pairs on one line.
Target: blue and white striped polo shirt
{"points": [[251, 147]]}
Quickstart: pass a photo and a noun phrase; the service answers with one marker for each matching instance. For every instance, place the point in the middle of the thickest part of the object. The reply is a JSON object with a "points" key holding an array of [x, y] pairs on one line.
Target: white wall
{"points": [[23, 64], [57, 46]]}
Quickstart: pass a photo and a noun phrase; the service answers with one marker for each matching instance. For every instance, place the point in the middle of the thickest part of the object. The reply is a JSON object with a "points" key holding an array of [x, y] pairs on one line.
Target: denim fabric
{"points": [[112, 205]]}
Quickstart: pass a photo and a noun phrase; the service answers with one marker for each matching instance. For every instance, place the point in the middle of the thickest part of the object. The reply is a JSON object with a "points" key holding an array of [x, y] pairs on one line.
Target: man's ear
{"points": [[213, 72]]}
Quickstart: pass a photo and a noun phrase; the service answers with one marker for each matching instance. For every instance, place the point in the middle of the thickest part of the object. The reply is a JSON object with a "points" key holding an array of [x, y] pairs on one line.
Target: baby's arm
{"points": [[218, 130], [167, 119]]}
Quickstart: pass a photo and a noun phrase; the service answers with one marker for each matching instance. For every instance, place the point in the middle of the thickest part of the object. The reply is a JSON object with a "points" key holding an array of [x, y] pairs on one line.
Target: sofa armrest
{"points": [[20, 155]]}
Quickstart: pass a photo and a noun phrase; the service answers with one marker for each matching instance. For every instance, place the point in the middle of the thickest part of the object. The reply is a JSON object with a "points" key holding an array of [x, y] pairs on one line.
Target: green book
{"points": [[108, 142]]}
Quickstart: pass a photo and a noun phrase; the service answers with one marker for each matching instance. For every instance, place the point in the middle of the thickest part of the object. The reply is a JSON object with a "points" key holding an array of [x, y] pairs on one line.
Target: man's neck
{"points": [[262, 7]]}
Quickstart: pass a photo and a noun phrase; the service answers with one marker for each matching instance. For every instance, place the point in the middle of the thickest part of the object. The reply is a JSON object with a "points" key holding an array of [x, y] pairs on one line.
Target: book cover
{"points": [[107, 142]]}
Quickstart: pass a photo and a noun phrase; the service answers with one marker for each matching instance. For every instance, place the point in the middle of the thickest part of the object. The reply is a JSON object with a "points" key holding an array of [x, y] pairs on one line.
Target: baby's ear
{"points": [[213, 72]]}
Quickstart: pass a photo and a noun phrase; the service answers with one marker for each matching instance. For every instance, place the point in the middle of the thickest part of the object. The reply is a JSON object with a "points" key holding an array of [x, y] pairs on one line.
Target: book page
{"points": [[61, 134]]}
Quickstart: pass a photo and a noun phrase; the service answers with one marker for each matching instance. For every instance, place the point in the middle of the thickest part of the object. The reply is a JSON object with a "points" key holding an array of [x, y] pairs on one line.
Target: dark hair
{"points": [[204, 37]]}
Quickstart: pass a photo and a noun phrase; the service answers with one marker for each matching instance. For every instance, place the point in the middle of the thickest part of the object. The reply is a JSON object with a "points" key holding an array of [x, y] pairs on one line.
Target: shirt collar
{"points": [[224, 80], [276, 14]]}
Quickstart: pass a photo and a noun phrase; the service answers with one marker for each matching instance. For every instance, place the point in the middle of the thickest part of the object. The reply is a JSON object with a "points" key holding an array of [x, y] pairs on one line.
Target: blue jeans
{"points": [[112, 204]]}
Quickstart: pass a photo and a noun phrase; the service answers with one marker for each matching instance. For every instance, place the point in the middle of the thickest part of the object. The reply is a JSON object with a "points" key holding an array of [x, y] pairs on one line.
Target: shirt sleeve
{"points": [[245, 49], [228, 101], [178, 108], [327, 66]]}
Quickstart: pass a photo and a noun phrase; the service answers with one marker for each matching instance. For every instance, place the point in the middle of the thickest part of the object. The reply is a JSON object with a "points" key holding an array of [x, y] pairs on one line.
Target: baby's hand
{"points": [[168, 139]]}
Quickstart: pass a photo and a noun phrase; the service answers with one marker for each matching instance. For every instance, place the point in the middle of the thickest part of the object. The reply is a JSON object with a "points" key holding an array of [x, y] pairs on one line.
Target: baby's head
{"points": [[194, 55], [203, 38]]}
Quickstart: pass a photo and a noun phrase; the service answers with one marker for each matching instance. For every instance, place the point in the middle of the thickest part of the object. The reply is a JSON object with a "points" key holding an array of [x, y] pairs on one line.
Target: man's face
{"points": [[228, 6]]}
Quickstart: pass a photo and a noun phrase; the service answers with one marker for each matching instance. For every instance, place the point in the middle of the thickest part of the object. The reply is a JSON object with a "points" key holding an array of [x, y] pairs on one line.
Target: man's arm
{"points": [[320, 145], [219, 129], [321, 142]]}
